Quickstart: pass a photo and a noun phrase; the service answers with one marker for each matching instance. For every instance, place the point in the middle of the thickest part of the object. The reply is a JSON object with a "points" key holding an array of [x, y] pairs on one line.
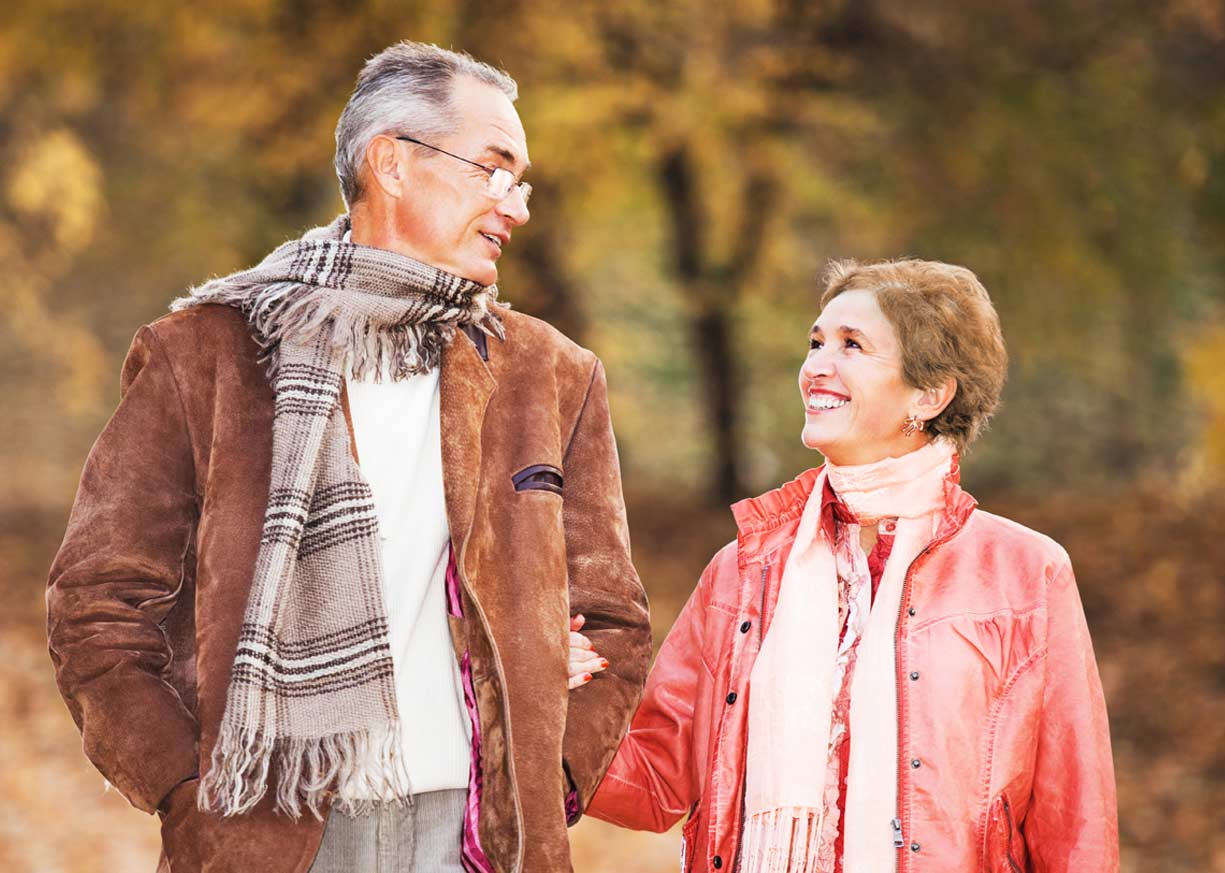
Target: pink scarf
{"points": [[802, 666]]}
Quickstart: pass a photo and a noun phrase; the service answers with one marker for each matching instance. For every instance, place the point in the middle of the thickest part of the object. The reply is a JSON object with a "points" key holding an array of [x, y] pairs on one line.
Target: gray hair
{"points": [[404, 89]]}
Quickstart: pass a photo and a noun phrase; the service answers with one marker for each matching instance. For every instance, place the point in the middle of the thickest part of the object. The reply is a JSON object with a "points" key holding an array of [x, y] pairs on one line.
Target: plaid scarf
{"points": [[312, 693]]}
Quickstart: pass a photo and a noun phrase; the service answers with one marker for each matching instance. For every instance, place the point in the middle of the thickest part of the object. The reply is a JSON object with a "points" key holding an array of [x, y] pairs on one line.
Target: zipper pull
{"points": [[897, 833]]}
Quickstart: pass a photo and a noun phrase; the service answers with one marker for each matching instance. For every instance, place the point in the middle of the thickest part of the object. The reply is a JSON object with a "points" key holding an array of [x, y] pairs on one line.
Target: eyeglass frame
{"points": [[525, 188]]}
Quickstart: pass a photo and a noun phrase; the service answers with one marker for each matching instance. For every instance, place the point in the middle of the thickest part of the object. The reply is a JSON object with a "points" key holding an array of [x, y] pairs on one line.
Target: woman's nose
{"points": [[817, 364]]}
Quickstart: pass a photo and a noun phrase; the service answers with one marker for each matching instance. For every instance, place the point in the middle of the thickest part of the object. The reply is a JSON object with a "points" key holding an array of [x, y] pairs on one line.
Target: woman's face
{"points": [[855, 400]]}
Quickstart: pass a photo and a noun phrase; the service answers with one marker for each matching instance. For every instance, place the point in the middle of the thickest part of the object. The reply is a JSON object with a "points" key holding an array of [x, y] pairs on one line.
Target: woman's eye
{"points": [[851, 344], [814, 343]]}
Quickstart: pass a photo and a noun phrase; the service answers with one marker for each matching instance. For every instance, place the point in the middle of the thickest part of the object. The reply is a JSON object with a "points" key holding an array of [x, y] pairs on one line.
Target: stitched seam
{"points": [[189, 542], [582, 410], [976, 616], [178, 395], [993, 723]]}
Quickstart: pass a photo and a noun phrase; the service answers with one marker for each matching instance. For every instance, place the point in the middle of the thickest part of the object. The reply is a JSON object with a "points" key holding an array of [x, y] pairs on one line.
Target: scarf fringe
{"points": [[351, 771], [782, 840]]}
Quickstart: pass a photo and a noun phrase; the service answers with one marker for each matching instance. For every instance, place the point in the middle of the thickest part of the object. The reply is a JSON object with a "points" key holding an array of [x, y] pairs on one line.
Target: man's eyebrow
{"points": [[505, 154]]}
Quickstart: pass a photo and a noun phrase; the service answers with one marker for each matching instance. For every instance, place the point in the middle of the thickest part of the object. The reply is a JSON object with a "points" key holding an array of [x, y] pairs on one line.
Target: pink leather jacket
{"points": [[1004, 747]]}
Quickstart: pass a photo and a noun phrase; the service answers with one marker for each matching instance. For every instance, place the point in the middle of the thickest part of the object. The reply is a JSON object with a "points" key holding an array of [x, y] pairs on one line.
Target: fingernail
{"points": [[586, 677], [603, 664]]}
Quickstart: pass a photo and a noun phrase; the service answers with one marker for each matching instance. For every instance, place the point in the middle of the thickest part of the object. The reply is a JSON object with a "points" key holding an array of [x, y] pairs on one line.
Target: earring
{"points": [[913, 425]]}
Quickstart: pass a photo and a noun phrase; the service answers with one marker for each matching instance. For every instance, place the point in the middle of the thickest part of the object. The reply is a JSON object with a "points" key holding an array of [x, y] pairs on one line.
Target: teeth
{"points": [[825, 401], [493, 239]]}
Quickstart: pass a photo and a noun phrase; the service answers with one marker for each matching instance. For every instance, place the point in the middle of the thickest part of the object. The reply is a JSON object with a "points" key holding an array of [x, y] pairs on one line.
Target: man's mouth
{"points": [[493, 239]]}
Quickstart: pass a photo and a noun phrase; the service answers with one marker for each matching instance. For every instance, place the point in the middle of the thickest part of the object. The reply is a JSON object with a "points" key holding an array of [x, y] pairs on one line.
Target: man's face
{"points": [[445, 218]]}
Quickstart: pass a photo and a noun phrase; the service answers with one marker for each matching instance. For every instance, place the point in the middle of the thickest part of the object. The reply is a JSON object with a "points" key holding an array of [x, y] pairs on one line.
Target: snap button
{"points": [[744, 628], [910, 611], [731, 698], [914, 675], [914, 762], [718, 862], [914, 847]]}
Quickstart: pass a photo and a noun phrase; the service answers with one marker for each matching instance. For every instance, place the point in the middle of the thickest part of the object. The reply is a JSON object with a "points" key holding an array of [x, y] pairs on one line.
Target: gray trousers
{"points": [[423, 837]]}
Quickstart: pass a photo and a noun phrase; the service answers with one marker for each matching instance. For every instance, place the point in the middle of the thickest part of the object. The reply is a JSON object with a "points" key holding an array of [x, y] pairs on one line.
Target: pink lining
{"points": [[472, 855]]}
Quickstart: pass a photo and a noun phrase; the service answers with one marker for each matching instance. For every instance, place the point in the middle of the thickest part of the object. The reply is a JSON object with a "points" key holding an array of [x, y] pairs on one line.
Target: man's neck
{"points": [[376, 228]]}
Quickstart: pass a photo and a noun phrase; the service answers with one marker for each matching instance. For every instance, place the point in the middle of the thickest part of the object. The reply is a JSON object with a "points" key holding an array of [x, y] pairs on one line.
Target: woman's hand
{"points": [[585, 661]]}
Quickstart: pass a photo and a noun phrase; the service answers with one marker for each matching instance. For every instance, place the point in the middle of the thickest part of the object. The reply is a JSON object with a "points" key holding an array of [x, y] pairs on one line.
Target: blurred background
{"points": [[696, 165]]}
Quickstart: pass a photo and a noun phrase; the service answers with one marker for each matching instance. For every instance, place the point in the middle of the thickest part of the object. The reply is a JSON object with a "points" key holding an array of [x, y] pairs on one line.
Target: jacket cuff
{"points": [[141, 739]]}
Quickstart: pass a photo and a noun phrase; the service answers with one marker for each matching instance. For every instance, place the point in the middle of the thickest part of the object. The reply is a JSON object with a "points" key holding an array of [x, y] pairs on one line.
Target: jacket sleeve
{"points": [[117, 575], [605, 588], [1072, 822], [653, 780]]}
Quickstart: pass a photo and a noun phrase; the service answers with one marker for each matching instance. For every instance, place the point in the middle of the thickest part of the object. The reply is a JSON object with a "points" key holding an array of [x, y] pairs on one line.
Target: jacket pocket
{"points": [[1005, 843], [538, 477]]}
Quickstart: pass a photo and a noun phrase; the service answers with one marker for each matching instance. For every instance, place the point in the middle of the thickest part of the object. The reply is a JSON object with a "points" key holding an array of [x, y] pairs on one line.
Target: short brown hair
{"points": [[946, 326]]}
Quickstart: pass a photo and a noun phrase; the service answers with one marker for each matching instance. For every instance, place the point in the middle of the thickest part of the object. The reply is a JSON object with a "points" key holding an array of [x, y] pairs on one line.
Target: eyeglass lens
{"points": [[502, 180]]}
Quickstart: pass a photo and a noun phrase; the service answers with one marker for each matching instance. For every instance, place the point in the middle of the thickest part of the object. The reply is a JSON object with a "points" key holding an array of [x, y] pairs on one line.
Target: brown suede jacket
{"points": [[149, 588]]}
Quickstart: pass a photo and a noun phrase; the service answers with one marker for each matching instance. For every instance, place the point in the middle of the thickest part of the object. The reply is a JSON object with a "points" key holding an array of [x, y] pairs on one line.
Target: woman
{"points": [[877, 675]]}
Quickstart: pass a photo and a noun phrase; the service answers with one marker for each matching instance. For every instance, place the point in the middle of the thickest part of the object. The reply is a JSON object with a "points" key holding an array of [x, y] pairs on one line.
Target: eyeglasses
{"points": [[500, 180]]}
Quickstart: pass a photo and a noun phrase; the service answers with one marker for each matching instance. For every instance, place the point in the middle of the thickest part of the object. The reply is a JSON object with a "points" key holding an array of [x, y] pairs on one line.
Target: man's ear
{"points": [[933, 401], [385, 165]]}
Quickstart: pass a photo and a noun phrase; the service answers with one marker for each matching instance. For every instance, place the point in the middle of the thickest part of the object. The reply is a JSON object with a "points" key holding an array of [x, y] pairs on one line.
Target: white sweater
{"points": [[396, 425]]}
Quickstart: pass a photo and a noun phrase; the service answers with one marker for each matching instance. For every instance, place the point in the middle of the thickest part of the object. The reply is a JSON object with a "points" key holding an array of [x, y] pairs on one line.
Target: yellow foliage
{"points": [[1205, 372], [57, 180]]}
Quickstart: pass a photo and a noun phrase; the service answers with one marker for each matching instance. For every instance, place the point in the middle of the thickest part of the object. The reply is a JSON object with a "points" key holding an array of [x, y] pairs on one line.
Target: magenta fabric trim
{"points": [[472, 856], [574, 810]]}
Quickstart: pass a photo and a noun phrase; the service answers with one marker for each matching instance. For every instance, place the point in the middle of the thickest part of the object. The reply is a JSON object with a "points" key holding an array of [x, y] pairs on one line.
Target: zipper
{"points": [[898, 841], [1008, 815]]}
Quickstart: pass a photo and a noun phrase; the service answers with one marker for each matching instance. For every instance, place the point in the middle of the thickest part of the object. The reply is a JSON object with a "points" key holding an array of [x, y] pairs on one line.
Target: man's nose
{"points": [[514, 207]]}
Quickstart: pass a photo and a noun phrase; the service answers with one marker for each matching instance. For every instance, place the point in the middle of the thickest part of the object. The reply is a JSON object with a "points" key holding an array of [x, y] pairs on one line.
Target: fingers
{"points": [[586, 661]]}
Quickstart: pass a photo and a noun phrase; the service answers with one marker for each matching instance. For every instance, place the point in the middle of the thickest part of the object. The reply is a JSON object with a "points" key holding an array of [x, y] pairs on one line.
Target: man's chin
{"points": [[483, 277], [483, 272]]}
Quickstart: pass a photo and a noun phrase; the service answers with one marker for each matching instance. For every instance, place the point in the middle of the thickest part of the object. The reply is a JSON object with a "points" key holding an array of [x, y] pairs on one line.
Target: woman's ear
{"points": [[933, 401]]}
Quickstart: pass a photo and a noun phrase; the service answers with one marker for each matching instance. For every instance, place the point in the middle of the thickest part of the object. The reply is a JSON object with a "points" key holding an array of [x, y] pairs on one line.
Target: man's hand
{"points": [[585, 661]]}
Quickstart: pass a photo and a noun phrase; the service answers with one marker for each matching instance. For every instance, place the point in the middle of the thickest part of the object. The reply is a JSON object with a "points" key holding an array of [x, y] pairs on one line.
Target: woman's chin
{"points": [[816, 438]]}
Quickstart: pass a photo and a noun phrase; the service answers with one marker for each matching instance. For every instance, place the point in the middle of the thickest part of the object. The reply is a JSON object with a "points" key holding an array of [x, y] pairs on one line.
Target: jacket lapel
{"points": [[466, 385]]}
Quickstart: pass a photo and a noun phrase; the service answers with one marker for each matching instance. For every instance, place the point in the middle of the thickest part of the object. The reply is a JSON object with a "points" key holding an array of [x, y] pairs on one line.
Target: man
{"points": [[311, 606]]}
